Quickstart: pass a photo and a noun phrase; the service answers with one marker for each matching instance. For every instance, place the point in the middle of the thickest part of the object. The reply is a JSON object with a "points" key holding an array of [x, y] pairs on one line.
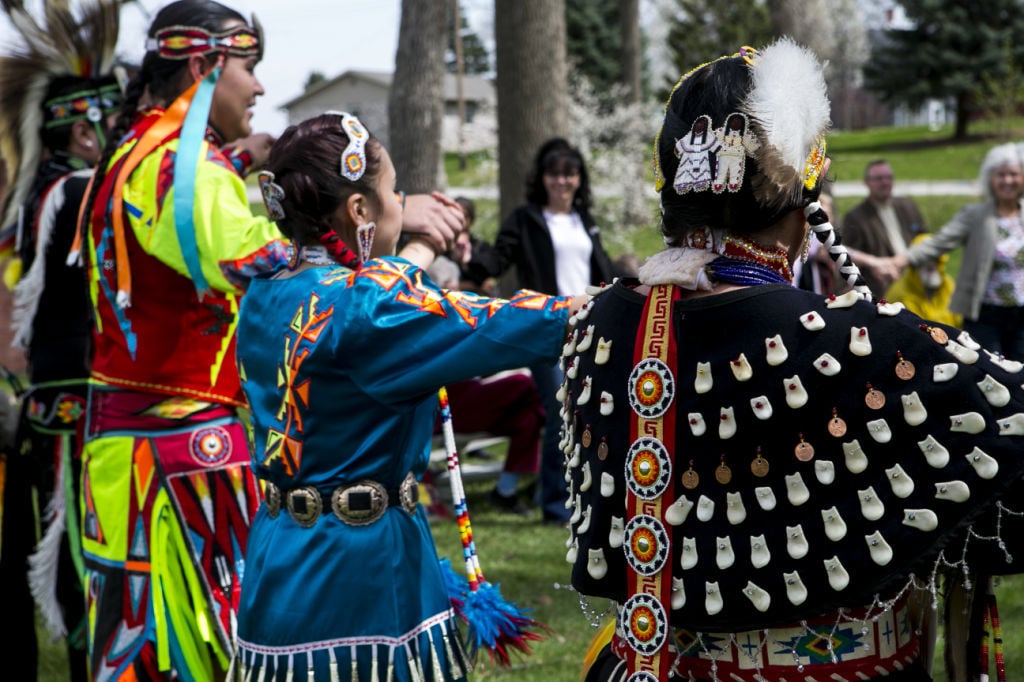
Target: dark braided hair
{"points": [[306, 163], [159, 78]]}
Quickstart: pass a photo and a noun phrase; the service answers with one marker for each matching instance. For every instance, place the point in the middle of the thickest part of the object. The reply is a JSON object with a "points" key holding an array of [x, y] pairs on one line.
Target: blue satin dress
{"points": [[341, 370]]}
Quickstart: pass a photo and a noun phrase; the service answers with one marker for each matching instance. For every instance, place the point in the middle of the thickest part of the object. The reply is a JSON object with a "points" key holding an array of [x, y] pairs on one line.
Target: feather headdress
{"points": [[65, 43]]}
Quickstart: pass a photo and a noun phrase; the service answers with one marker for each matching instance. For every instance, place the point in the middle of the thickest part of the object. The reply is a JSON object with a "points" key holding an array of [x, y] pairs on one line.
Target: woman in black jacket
{"points": [[555, 245]]}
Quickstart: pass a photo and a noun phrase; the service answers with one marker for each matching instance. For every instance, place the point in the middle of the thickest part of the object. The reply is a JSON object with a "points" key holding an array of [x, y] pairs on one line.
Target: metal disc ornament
{"points": [[651, 388], [874, 399]]}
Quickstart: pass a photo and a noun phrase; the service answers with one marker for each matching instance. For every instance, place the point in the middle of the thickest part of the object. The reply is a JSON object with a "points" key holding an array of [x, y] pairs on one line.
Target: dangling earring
{"points": [[364, 238]]}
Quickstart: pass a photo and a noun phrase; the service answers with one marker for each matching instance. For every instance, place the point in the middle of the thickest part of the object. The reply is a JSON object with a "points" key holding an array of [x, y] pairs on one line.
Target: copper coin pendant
{"points": [[837, 427], [875, 399], [804, 452], [905, 370], [587, 437], [939, 335], [602, 451], [723, 474], [690, 479], [759, 467]]}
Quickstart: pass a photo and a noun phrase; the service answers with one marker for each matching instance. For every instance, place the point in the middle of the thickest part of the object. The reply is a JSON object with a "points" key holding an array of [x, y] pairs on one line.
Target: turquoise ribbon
{"points": [[186, 162]]}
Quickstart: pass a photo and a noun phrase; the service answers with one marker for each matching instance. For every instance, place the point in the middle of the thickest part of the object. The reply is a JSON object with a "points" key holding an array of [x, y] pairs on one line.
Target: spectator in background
{"points": [[882, 225], [926, 290], [989, 289], [555, 245], [473, 247]]}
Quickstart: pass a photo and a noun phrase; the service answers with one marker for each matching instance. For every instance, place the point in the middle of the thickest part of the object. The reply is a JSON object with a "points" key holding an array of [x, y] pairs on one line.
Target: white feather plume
{"points": [[788, 102]]}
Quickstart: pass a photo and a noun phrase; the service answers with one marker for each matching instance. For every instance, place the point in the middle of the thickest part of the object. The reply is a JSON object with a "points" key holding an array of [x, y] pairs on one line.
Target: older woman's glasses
{"points": [[568, 174]]}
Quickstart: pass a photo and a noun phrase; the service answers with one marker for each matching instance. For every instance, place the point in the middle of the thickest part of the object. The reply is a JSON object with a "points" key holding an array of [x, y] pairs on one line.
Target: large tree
{"points": [[416, 99], [943, 53], [475, 58], [631, 64], [532, 87], [594, 41]]}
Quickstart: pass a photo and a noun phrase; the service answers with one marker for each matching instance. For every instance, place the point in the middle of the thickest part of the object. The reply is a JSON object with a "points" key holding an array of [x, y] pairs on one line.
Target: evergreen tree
{"points": [[700, 31], [594, 41], [942, 56], [475, 58]]}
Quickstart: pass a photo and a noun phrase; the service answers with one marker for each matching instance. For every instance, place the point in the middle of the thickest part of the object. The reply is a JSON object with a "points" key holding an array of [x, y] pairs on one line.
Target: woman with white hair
{"points": [[990, 286]]}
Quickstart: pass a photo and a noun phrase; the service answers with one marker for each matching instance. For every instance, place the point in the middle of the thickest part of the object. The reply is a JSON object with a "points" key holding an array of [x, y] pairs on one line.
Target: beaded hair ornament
{"points": [[181, 42]]}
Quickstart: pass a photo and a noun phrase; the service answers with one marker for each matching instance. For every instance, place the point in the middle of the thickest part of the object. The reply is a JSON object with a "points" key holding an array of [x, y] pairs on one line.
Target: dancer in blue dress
{"points": [[342, 355]]}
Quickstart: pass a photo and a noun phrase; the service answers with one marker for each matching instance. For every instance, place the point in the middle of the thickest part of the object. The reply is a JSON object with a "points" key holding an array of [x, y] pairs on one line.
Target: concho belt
{"points": [[359, 504]]}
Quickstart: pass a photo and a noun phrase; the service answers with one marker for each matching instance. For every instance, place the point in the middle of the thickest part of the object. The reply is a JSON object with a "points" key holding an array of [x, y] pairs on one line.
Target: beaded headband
{"points": [[181, 42], [273, 195], [353, 158], [91, 104]]}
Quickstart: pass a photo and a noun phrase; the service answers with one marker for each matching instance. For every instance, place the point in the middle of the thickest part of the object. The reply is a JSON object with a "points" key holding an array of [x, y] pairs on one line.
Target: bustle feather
{"points": [[788, 103], [67, 43]]}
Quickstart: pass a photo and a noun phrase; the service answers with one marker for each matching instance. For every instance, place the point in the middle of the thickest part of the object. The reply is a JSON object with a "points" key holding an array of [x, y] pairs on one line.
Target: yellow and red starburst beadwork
{"points": [[651, 388], [645, 544], [648, 468], [644, 623]]}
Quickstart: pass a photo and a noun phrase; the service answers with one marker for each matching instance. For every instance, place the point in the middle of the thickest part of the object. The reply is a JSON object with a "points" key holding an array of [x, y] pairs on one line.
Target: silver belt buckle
{"points": [[360, 504], [272, 498], [304, 505], [408, 494]]}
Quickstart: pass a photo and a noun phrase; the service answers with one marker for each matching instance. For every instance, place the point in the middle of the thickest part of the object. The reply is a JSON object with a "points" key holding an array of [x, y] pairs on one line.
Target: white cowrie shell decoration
{"points": [[995, 393], [697, 425], [827, 365], [726, 423], [705, 508], [824, 471], [570, 346], [741, 368], [678, 594], [881, 552], [678, 511], [560, 393], [607, 403], [954, 491], [879, 430], [759, 554], [944, 372], [574, 549], [796, 489], [796, 395], [870, 506], [921, 519], [986, 467], [843, 300], [724, 556], [617, 532], [968, 422], [761, 407], [597, 567], [587, 479], [796, 591], [574, 461], [584, 392], [835, 527], [585, 523], [757, 596], [775, 350], [838, 578], [968, 341], [607, 484], [902, 484], [588, 338], [712, 598], [1012, 366], [913, 410], [1012, 425], [702, 381], [936, 455], [573, 368], [962, 353], [735, 512], [577, 510], [603, 352], [890, 309], [765, 497], [796, 542], [856, 460], [812, 321], [688, 555], [860, 343]]}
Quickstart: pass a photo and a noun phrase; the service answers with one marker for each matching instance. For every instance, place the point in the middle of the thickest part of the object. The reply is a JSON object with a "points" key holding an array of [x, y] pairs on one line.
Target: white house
{"points": [[365, 94]]}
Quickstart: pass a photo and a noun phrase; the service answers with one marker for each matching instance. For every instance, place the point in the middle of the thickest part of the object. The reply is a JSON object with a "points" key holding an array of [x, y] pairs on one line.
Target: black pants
{"points": [[19, 649]]}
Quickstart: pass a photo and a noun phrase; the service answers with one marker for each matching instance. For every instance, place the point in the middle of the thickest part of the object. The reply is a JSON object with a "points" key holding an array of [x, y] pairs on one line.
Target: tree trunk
{"points": [[532, 87], [416, 99], [963, 115], [629, 16]]}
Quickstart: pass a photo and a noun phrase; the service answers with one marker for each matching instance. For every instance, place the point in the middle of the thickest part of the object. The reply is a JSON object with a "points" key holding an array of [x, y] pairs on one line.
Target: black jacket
{"points": [[525, 242]]}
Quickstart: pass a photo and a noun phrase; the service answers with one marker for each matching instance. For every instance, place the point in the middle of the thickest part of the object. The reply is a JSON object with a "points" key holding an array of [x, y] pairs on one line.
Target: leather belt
{"points": [[359, 504]]}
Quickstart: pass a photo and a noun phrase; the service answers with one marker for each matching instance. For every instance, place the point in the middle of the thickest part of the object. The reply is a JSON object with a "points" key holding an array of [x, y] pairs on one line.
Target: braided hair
{"points": [[157, 78], [305, 162]]}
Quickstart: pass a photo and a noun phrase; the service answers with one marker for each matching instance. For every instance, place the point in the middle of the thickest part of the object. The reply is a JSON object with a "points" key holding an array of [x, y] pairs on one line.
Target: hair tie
{"points": [[339, 249]]}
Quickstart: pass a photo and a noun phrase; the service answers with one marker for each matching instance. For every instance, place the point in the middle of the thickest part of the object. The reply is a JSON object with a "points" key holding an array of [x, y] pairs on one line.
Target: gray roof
{"points": [[474, 88]]}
